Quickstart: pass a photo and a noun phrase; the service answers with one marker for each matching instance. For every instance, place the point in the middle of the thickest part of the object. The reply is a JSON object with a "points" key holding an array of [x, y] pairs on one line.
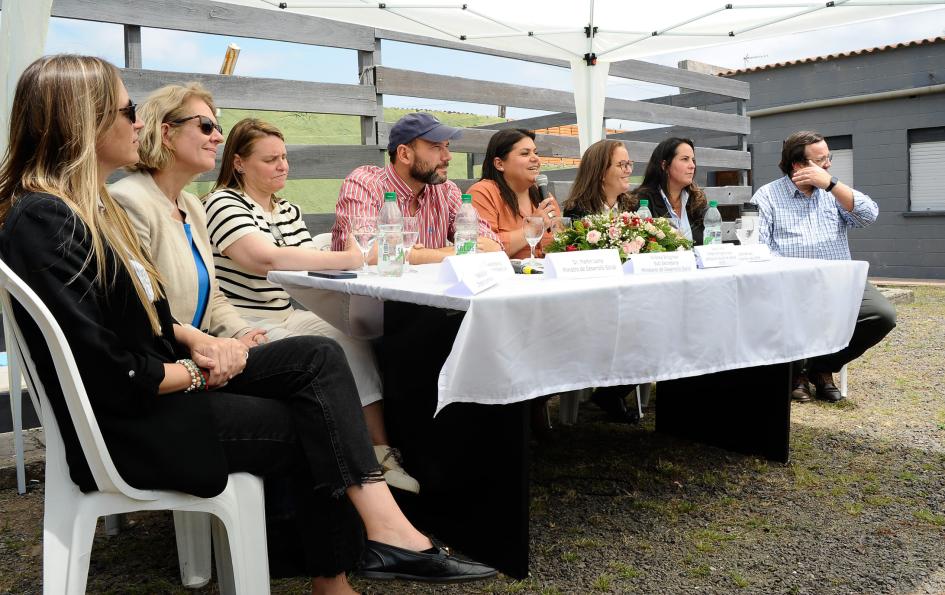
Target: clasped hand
{"points": [[223, 358]]}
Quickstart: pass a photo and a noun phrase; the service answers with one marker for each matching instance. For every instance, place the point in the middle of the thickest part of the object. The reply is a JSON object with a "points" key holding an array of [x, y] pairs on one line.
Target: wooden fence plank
{"points": [[453, 88], [220, 18], [676, 77], [261, 93]]}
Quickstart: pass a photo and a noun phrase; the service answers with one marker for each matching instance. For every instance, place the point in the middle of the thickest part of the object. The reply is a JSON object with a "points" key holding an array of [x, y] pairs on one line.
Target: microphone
{"points": [[542, 182]]}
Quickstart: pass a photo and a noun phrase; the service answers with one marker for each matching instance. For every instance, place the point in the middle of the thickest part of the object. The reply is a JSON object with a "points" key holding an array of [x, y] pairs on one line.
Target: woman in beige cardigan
{"points": [[179, 141]]}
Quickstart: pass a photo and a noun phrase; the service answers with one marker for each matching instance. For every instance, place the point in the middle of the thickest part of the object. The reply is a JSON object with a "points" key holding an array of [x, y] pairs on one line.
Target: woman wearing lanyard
{"points": [[668, 185]]}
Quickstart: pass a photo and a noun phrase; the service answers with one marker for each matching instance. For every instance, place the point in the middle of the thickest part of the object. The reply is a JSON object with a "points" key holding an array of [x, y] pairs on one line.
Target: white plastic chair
{"points": [[16, 409], [843, 380], [239, 527], [322, 241], [568, 402]]}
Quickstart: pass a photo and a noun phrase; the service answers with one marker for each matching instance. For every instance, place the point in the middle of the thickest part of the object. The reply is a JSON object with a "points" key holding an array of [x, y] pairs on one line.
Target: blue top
{"points": [[203, 279], [794, 224], [681, 221]]}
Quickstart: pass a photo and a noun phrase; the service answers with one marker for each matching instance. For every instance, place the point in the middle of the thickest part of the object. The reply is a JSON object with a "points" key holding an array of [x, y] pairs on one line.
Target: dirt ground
{"points": [[620, 509]]}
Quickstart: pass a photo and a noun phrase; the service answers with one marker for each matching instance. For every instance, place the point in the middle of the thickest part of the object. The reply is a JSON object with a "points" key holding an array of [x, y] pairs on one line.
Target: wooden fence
{"points": [[365, 99]]}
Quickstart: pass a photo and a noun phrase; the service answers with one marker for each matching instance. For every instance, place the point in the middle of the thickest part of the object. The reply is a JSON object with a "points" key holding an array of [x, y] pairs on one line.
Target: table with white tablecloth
{"points": [[720, 341], [625, 330]]}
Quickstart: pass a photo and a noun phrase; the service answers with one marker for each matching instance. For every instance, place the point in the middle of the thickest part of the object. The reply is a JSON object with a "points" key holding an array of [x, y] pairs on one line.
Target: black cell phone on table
{"points": [[333, 274]]}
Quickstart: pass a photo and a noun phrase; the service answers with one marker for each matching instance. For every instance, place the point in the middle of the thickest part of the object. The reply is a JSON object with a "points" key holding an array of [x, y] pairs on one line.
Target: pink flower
{"points": [[614, 232], [593, 236], [637, 244], [631, 247]]}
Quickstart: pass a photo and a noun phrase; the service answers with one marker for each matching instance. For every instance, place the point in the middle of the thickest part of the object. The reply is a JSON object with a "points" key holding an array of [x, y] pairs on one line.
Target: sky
{"points": [[200, 53]]}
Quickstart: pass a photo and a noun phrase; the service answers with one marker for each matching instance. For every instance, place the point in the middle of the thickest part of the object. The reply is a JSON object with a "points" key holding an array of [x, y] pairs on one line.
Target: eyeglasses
{"points": [[207, 126], [628, 165], [822, 160], [129, 111]]}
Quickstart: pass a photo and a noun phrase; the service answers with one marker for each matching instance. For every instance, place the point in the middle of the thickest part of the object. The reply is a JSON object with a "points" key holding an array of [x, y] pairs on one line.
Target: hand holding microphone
{"points": [[548, 207]]}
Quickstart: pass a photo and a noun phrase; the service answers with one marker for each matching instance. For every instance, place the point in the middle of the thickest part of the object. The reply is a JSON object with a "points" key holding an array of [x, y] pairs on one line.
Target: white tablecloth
{"points": [[531, 336]]}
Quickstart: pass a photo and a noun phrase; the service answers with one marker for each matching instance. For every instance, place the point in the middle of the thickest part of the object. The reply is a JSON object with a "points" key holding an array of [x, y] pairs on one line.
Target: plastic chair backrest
{"points": [[80, 410], [322, 241]]}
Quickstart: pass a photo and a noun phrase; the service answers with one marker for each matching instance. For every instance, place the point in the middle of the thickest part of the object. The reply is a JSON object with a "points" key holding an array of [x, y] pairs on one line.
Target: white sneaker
{"points": [[394, 474]]}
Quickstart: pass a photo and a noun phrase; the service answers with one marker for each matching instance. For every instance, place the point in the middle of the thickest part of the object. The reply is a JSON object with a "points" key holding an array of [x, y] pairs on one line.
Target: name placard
{"points": [[715, 255], [752, 253], [470, 274], [584, 264], [679, 261]]}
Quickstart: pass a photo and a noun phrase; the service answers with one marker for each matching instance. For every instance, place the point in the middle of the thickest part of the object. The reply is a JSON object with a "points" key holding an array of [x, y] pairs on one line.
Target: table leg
{"points": [[471, 460], [746, 410]]}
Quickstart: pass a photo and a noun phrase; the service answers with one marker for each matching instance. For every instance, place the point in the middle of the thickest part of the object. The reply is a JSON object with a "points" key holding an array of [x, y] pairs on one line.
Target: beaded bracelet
{"points": [[197, 380]]}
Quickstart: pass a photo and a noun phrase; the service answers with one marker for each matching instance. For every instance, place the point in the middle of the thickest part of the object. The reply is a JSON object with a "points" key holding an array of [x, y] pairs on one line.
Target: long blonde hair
{"points": [[63, 106]]}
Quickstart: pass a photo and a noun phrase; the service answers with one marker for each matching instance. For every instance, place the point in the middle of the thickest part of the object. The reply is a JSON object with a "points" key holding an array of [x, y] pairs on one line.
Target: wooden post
{"points": [[132, 46], [367, 60], [742, 109]]}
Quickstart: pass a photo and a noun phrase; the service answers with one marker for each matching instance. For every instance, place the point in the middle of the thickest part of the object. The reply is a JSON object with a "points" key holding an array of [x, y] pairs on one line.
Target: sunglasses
{"points": [[129, 111], [207, 126]]}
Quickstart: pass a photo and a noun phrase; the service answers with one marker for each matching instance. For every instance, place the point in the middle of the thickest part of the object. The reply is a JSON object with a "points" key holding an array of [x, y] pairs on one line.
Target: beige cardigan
{"points": [[150, 213]]}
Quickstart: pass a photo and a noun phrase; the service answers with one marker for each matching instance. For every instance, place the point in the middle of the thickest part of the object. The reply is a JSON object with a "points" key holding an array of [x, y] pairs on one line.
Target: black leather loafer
{"points": [[386, 562], [826, 389], [615, 406]]}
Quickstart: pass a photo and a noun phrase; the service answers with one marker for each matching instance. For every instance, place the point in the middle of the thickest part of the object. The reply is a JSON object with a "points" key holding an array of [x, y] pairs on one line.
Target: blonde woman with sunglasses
{"points": [[171, 417]]}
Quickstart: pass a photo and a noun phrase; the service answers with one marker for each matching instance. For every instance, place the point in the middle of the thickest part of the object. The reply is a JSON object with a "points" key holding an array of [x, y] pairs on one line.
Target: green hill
{"points": [[319, 196]]}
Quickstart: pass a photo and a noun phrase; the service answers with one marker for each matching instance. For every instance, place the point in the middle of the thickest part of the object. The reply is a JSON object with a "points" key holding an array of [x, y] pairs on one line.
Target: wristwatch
{"points": [[833, 182]]}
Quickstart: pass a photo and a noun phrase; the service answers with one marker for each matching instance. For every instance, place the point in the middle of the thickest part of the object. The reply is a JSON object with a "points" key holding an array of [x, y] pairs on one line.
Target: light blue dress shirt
{"points": [[801, 226], [681, 222]]}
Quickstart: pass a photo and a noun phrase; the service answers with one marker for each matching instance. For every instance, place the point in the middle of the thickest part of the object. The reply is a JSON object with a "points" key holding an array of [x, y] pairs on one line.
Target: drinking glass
{"points": [[364, 230], [745, 231], [411, 234], [534, 229], [559, 224]]}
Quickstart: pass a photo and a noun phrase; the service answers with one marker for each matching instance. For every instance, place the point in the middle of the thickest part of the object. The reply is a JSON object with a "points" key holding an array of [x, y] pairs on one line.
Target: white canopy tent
{"points": [[589, 34]]}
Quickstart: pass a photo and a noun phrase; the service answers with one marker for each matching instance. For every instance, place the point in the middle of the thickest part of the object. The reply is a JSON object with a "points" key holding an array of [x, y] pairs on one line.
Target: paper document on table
{"points": [[752, 253], [679, 261], [715, 255], [585, 264], [470, 274]]}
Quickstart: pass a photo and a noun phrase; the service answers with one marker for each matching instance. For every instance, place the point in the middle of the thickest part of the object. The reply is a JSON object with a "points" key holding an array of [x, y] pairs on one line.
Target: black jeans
{"points": [[877, 317], [293, 417]]}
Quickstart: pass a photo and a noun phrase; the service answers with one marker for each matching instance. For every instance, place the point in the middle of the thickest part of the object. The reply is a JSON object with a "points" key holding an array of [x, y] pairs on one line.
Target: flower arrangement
{"points": [[627, 232]]}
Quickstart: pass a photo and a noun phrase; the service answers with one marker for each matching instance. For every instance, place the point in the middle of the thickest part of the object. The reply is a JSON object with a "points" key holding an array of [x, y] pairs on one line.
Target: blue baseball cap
{"points": [[419, 125]]}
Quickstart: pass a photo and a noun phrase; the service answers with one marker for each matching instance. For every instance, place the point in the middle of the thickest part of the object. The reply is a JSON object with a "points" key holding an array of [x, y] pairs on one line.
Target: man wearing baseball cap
{"points": [[419, 150]]}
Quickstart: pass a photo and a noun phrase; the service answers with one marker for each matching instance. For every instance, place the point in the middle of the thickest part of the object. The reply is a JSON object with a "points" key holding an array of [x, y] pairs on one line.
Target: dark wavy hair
{"points": [[792, 150], [655, 178], [500, 145], [587, 194]]}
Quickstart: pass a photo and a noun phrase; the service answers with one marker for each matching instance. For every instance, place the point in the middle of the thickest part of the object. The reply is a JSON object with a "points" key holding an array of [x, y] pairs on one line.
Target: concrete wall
{"points": [[899, 244]]}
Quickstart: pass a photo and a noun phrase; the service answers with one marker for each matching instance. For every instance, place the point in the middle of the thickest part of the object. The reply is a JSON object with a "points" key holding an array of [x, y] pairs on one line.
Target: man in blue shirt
{"points": [[806, 214]]}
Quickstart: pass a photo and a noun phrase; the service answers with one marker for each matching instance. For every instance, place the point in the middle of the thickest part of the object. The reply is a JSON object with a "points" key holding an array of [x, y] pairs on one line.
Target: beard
{"points": [[426, 173]]}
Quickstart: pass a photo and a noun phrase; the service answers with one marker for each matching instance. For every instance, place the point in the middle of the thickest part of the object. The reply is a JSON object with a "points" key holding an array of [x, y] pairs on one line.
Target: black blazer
{"points": [[156, 441], [658, 209]]}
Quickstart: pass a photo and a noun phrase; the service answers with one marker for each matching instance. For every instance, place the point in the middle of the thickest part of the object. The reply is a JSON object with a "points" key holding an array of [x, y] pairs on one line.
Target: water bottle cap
{"points": [[644, 202], [389, 196], [713, 204], [467, 198]]}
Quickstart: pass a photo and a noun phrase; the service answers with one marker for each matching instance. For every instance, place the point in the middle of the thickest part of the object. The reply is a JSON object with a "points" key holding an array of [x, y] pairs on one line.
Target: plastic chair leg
{"points": [[568, 406], [16, 408], [241, 557], [193, 547], [843, 381], [68, 532]]}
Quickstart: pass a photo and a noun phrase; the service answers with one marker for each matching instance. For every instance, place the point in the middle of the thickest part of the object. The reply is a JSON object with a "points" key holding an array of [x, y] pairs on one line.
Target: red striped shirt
{"points": [[362, 195]]}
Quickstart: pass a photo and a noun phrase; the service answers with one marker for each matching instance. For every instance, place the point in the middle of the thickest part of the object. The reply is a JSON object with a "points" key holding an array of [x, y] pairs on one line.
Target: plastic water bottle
{"points": [[466, 232], [712, 222], [390, 238], [643, 211]]}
